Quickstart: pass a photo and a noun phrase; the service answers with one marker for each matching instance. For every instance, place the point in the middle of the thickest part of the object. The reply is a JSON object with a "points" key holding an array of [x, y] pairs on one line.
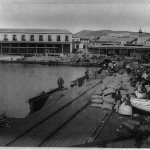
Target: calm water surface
{"points": [[20, 82]]}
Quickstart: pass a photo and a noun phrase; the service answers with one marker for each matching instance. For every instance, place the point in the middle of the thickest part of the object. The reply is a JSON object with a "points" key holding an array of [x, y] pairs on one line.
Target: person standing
{"points": [[118, 98], [86, 77], [60, 83], [95, 73], [127, 100]]}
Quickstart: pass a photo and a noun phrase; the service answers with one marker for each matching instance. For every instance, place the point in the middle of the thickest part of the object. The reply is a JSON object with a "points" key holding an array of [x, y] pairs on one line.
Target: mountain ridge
{"points": [[94, 34]]}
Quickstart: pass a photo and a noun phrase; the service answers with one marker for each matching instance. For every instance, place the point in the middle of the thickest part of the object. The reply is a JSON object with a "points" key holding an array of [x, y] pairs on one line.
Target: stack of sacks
{"points": [[110, 85], [97, 99], [108, 98], [126, 85], [105, 98]]}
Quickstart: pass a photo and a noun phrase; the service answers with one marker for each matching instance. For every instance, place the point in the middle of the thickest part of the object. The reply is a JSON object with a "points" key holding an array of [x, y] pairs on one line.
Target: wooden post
{"points": [[9, 48], [18, 48], [62, 49], [36, 48], [1, 48], [27, 49]]}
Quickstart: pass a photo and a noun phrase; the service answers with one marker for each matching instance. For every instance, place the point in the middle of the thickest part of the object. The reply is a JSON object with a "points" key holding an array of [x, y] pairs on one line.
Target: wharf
{"points": [[66, 119]]}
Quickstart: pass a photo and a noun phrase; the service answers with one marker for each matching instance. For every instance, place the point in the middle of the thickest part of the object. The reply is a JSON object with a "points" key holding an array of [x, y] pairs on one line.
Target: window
{"points": [[31, 37], [40, 37], [66, 38], [49, 38], [58, 37], [14, 38], [5, 37], [77, 46], [23, 38]]}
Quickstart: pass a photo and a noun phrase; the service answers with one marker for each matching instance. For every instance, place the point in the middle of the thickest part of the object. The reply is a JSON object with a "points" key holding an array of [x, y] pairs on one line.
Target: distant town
{"points": [[39, 45]]}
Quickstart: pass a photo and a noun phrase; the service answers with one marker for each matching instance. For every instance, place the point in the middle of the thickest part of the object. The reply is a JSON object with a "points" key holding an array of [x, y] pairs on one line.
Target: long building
{"points": [[35, 41], [128, 50]]}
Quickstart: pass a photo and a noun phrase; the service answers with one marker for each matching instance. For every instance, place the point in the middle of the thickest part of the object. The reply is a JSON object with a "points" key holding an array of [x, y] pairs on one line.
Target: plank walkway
{"points": [[38, 134], [32, 130], [79, 130]]}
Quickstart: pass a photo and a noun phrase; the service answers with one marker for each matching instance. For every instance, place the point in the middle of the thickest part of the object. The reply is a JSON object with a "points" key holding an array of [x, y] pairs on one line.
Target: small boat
{"points": [[141, 104], [37, 102]]}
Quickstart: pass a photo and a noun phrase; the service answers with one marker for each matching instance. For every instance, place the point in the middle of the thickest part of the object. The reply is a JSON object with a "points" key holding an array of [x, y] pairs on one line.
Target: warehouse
{"points": [[111, 49], [35, 41]]}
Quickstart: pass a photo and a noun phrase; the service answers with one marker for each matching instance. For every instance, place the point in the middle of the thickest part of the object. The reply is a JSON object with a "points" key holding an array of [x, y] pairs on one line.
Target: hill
{"points": [[94, 34]]}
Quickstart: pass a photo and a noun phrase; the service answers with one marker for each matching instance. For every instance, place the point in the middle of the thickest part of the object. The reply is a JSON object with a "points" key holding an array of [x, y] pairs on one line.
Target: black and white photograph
{"points": [[75, 74]]}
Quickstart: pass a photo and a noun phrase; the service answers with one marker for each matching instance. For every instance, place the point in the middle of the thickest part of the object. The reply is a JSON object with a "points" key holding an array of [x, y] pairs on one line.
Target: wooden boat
{"points": [[141, 104], [37, 102]]}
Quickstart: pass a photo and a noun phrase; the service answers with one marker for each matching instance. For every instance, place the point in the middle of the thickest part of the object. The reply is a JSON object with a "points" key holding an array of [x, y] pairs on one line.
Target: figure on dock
{"points": [[118, 98], [86, 77], [60, 83]]}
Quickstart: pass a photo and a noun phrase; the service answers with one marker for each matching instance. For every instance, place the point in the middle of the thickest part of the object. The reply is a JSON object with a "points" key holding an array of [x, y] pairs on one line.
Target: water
{"points": [[20, 82]]}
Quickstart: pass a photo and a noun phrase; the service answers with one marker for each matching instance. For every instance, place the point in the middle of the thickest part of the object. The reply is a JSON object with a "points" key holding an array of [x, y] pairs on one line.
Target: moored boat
{"points": [[141, 104], [37, 102]]}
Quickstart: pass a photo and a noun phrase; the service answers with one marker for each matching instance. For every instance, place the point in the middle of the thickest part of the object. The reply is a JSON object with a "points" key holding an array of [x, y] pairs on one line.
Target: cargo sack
{"points": [[107, 80], [126, 79], [111, 85], [118, 87], [132, 96], [107, 96], [103, 86], [96, 96], [131, 91], [126, 83], [97, 100], [140, 95], [118, 81], [107, 106], [109, 100], [125, 109], [96, 105], [147, 86], [98, 91], [109, 91], [123, 93]]}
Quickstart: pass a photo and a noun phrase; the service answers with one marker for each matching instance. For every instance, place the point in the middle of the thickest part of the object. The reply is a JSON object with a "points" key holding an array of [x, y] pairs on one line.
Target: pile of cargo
{"points": [[104, 96]]}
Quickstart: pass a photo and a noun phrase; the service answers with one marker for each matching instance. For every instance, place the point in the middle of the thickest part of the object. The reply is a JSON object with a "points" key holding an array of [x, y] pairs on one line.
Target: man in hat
{"points": [[60, 83], [127, 100]]}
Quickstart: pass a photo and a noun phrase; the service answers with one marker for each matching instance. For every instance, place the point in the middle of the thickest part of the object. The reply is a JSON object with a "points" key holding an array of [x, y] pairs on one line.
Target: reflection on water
{"points": [[20, 82]]}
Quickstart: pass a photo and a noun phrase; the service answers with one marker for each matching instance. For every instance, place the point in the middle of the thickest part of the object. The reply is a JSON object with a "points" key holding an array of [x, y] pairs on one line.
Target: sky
{"points": [[76, 15]]}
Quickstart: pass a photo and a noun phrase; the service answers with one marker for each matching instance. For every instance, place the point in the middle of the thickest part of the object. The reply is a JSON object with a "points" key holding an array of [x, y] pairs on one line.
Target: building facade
{"points": [[119, 50], [80, 44], [35, 41]]}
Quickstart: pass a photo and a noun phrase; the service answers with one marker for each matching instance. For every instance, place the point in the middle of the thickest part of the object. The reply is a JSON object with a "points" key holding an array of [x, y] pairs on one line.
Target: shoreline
{"points": [[52, 63]]}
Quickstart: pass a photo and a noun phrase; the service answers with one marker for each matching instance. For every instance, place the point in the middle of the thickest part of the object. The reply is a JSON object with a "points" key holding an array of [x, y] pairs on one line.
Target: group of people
{"points": [[60, 80], [119, 99]]}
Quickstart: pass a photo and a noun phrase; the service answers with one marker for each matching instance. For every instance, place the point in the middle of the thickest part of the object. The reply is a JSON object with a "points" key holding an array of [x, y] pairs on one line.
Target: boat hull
{"points": [[141, 105]]}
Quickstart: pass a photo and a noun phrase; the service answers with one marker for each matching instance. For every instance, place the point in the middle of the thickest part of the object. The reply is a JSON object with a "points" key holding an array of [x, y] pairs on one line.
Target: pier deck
{"points": [[67, 110]]}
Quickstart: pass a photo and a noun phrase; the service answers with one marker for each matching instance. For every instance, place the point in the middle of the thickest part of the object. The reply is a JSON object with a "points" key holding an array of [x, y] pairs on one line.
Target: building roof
{"points": [[115, 46], [75, 37], [44, 31]]}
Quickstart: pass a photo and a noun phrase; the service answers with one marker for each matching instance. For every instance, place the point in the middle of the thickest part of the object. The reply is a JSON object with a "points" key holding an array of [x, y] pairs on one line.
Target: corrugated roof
{"points": [[56, 31], [115, 46]]}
